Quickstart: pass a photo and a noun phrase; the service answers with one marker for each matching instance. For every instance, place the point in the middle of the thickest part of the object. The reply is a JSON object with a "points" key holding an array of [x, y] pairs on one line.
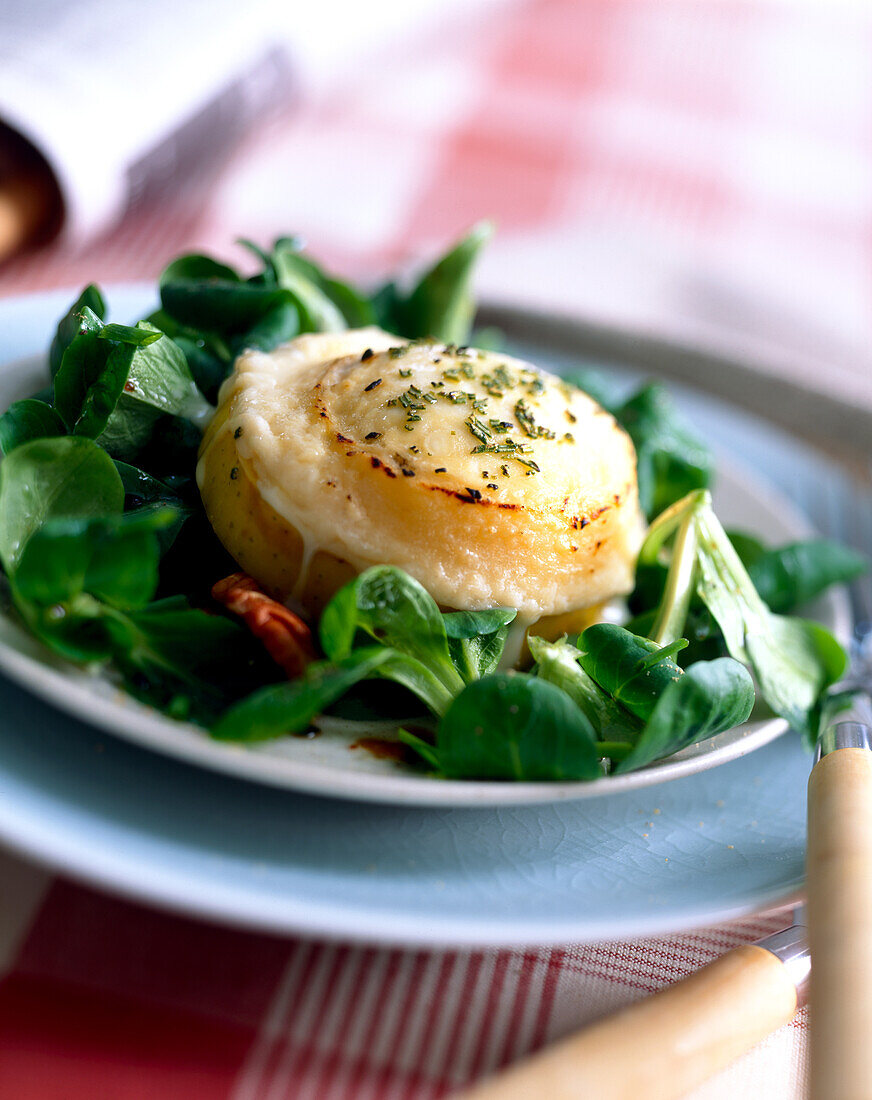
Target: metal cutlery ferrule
{"points": [[845, 734], [790, 946]]}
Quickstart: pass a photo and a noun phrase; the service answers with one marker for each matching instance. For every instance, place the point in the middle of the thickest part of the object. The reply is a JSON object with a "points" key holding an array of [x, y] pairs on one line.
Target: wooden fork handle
{"points": [[840, 924], [665, 1045]]}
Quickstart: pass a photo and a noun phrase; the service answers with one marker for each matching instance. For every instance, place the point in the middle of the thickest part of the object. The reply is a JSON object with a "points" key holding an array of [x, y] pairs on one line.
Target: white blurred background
{"points": [[699, 171]]}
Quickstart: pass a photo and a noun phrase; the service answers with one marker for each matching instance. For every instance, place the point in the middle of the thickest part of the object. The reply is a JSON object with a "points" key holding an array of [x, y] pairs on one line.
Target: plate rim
{"points": [[115, 874]]}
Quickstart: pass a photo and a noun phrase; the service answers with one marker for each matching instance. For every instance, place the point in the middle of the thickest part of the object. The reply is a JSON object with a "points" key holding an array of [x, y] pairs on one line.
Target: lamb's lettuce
{"points": [[26, 420], [441, 303], [634, 671], [68, 477], [83, 575], [671, 459], [789, 577], [476, 639], [512, 726], [281, 709], [396, 611], [115, 381], [641, 704], [707, 698], [793, 660], [69, 325], [559, 663], [114, 558]]}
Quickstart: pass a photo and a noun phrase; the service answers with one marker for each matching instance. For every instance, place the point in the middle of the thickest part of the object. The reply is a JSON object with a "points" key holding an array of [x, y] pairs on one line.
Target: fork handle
{"points": [[665, 1045], [840, 924]]}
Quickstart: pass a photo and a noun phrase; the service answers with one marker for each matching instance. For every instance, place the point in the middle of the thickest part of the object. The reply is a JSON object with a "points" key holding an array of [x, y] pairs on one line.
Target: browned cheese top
{"points": [[492, 482]]}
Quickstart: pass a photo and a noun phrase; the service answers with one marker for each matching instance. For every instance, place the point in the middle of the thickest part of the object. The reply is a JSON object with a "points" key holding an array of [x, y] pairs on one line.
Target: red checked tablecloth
{"points": [[632, 154]]}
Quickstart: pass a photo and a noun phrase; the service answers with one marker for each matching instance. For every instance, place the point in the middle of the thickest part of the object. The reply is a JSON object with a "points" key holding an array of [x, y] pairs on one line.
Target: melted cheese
{"points": [[492, 483]]}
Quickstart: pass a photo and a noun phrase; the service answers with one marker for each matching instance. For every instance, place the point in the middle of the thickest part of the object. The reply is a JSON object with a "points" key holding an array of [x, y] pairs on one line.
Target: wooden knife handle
{"points": [[840, 924], [665, 1045]]}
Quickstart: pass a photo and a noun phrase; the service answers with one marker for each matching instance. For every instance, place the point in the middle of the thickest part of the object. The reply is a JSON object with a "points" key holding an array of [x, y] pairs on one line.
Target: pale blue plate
{"points": [[699, 849]]}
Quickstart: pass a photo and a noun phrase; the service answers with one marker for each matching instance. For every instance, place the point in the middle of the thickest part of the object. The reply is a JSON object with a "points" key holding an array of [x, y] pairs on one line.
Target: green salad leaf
{"points": [[213, 313], [280, 323], [290, 707], [158, 382], [634, 671], [640, 703], [559, 663], [83, 577], [184, 661], [708, 698], [69, 325], [85, 385], [209, 356], [69, 477], [26, 420], [114, 558], [326, 304], [431, 654], [671, 460], [441, 303], [794, 660], [318, 312], [398, 612], [115, 381], [476, 639], [791, 576], [220, 306], [512, 726], [291, 294]]}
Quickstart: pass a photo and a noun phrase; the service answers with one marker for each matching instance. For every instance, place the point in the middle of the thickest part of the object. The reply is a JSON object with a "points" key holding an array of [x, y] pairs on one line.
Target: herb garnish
{"points": [[528, 422], [479, 430]]}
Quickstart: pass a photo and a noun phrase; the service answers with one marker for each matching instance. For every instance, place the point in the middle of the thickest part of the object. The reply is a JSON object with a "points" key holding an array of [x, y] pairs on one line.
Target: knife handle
{"points": [[665, 1045], [840, 924]]}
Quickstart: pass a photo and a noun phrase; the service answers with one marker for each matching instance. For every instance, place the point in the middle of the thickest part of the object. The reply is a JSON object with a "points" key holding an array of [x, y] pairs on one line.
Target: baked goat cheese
{"points": [[493, 483]]}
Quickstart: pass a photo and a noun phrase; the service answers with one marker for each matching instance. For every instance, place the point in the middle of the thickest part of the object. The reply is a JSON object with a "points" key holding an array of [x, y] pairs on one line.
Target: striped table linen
{"points": [[103, 998], [688, 168]]}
